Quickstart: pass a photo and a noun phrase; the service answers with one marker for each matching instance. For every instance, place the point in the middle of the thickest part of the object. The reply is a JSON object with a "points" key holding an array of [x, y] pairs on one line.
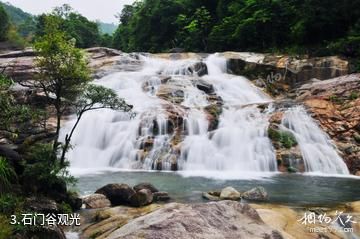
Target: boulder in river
{"points": [[141, 198], [149, 186], [256, 194], [229, 193], [118, 194], [96, 200], [200, 68]]}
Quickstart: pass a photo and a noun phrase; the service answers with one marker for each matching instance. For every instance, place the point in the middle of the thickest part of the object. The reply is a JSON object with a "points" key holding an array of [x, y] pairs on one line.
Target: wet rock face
{"points": [[226, 219], [335, 103], [171, 93]]}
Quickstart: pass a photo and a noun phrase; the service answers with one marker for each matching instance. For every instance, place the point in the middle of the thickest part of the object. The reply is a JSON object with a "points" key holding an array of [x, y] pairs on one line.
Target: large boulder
{"points": [[141, 198], [229, 193], [94, 201], [256, 194], [148, 186], [118, 194], [214, 220]]}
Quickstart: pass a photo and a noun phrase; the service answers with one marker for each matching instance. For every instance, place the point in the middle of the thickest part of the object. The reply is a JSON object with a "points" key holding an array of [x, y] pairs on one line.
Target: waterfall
{"points": [[188, 120], [319, 154], [240, 143]]}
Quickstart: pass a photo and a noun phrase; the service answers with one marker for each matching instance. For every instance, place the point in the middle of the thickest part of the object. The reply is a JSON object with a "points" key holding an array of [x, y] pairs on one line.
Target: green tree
{"points": [[195, 29], [64, 78], [4, 24], [63, 69]]}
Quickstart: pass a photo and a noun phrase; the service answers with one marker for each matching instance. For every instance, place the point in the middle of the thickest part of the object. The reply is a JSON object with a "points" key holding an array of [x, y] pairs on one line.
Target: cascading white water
{"points": [[318, 152], [240, 143], [105, 138]]}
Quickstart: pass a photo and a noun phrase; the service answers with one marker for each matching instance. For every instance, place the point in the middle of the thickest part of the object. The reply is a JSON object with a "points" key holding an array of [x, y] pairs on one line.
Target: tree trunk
{"points": [[68, 139], [58, 125]]}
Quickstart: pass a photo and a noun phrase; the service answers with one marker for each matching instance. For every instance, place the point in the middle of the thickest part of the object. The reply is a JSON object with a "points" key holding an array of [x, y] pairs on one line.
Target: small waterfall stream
{"points": [[189, 122], [318, 152]]}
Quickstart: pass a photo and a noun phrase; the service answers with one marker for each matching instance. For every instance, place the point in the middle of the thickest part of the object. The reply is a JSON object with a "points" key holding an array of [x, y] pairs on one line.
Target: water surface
{"points": [[289, 189]]}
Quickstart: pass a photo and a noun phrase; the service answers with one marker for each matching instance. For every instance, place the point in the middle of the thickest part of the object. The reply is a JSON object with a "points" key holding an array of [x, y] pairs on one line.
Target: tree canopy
{"points": [[241, 25], [74, 25]]}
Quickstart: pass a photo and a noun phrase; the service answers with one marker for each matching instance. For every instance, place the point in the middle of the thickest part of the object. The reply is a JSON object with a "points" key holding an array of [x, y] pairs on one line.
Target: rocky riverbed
{"points": [[226, 218]]}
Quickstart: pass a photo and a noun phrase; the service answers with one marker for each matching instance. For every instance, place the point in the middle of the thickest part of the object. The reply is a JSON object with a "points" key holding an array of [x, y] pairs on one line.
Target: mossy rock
{"points": [[286, 139]]}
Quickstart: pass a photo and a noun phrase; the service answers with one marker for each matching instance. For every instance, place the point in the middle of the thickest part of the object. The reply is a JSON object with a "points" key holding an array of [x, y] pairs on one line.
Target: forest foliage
{"points": [[318, 27], [315, 27]]}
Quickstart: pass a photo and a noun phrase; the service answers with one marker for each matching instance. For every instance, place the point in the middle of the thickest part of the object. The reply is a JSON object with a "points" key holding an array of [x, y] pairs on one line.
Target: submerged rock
{"points": [[230, 193], [118, 194], [256, 194], [214, 220], [96, 201]]}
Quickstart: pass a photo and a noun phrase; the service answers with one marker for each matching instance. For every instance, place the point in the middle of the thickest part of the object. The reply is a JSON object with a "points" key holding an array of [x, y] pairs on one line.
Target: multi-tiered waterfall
{"points": [[189, 122]]}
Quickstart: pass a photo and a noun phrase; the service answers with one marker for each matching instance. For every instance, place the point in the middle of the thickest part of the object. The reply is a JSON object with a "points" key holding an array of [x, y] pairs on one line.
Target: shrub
{"points": [[5, 228], [7, 176], [43, 173], [286, 139]]}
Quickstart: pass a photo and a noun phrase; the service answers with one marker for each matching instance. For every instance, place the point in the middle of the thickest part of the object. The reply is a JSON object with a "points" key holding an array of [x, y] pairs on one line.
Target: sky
{"points": [[103, 10]]}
